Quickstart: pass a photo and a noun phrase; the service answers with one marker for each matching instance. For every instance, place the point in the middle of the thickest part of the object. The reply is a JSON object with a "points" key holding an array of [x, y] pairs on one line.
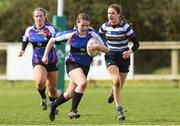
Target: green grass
{"points": [[147, 102]]}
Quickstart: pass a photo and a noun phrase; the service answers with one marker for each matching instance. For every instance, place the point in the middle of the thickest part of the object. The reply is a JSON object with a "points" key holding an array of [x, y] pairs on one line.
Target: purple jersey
{"points": [[39, 40], [78, 52]]}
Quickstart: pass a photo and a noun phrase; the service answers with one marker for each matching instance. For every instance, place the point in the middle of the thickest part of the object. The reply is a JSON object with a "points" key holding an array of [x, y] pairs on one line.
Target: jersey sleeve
{"points": [[129, 31], [63, 36], [52, 30], [97, 37], [132, 37], [25, 37]]}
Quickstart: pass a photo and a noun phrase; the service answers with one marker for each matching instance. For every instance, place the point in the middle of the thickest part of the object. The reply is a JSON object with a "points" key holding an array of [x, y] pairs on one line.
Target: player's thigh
{"points": [[114, 73], [40, 73], [77, 76], [52, 79]]}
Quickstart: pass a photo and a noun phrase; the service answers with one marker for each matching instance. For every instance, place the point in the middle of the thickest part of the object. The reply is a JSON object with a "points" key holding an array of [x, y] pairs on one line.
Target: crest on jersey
{"points": [[39, 44], [82, 49]]}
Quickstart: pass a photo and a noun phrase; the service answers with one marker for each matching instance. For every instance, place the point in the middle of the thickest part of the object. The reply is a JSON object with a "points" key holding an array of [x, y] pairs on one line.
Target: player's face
{"points": [[113, 16], [83, 26], [39, 18]]}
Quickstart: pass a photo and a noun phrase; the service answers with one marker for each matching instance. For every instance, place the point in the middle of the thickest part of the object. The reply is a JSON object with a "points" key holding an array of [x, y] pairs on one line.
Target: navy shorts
{"points": [[117, 60], [73, 65], [49, 67]]}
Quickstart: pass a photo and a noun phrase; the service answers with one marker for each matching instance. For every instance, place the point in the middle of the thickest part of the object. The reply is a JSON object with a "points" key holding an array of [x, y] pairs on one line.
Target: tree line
{"points": [[153, 20]]}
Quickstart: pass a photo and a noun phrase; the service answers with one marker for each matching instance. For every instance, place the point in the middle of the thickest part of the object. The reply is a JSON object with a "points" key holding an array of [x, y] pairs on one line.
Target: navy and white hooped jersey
{"points": [[39, 40], [116, 37], [78, 52]]}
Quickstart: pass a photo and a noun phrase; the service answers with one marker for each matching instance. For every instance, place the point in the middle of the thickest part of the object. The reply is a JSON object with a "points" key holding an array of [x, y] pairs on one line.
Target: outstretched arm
{"points": [[62, 37]]}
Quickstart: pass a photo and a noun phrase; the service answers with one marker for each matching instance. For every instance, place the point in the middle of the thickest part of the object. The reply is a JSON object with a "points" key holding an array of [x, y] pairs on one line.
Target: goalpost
{"points": [[60, 21]]}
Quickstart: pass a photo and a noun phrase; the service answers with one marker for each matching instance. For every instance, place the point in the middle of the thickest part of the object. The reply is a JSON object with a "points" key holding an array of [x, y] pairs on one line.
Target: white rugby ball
{"points": [[95, 52]]}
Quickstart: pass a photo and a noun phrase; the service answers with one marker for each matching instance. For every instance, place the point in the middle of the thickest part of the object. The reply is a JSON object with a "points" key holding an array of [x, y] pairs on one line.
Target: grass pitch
{"points": [[147, 102]]}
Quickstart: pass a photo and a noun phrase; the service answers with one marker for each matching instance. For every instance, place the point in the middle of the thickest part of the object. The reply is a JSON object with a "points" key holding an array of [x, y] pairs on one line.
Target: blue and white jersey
{"points": [[116, 37], [78, 52], [39, 40]]}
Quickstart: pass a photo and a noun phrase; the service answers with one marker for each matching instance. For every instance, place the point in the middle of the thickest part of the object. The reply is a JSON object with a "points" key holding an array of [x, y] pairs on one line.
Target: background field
{"points": [[147, 102]]}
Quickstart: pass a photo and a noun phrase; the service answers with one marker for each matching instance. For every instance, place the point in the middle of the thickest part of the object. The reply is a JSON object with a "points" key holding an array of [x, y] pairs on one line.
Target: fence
{"points": [[173, 46], [169, 45]]}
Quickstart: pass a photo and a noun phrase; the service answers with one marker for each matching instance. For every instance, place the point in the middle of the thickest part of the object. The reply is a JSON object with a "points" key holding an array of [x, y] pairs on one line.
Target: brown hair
{"points": [[45, 12], [118, 9]]}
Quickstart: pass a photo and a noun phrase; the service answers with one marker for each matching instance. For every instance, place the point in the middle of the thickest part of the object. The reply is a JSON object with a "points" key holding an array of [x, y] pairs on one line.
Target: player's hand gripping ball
{"points": [[89, 48]]}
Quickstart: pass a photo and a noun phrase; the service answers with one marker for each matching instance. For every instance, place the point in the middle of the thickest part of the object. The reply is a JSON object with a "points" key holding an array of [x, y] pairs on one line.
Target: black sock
{"points": [[76, 100], [52, 99], [60, 100], [42, 93]]}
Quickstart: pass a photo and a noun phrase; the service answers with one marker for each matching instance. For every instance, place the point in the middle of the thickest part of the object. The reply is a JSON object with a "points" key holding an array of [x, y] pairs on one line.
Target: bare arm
{"points": [[64, 36], [97, 46], [47, 50], [100, 45], [103, 48]]}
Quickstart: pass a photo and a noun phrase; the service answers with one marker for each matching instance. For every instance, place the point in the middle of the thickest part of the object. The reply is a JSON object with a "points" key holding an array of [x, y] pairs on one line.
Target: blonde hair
{"points": [[82, 16], [45, 12]]}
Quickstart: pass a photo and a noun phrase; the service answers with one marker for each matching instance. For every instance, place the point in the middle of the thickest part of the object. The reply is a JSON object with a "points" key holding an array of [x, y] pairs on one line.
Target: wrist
{"points": [[98, 47], [130, 51]]}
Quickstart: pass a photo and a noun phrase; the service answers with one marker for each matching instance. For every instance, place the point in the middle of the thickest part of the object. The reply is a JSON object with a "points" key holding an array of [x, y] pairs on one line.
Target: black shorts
{"points": [[49, 67], [117, 60], [73, 65]]}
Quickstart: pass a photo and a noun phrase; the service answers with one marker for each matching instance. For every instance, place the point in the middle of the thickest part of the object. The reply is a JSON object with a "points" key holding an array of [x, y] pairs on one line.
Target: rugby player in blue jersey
{"points": [[38, 35], [116, 32], [77, 63]]}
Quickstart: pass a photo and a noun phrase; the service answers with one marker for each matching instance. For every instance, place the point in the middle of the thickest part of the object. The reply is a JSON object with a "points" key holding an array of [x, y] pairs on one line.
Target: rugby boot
{"points": [[56, 112], [73, 114], [121, 116], [43, 104], [52, 112], [111, 98]]}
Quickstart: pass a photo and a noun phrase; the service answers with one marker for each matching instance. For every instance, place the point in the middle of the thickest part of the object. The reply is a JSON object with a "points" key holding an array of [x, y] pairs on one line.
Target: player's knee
{"points": [[68, 95], [117, 83], [40, 84], [52, 91], [83, 85]]}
